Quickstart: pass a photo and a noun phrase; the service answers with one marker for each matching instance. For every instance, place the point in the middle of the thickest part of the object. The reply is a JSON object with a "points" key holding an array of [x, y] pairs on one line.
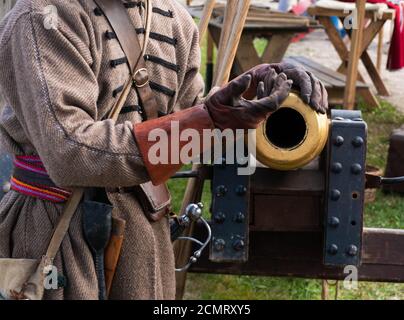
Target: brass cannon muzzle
{"points": [[292, 136]]}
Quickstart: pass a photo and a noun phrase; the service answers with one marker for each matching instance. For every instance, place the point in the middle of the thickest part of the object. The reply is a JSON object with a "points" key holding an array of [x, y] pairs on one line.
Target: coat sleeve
{"points": [[50, 83], [192, 87]]}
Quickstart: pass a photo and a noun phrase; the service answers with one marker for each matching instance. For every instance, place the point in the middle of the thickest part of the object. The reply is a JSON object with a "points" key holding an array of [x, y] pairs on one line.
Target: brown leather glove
{"points": [[312, 91], [229, 110]]}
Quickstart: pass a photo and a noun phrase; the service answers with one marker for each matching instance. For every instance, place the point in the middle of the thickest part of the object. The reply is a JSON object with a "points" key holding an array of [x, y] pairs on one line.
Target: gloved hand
{"points": [[312, 91], [228, 108]]}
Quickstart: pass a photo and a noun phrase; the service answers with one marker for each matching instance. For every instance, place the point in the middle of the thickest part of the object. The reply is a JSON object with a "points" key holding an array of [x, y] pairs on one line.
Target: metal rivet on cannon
{"points": [[356, 168], [220, 217], [219, 245], [241, 190], [339, 141], [238, 245], [352, 250], [335, 194], [336, 167], [240, 217], [333, 249], [221, 191], [358, 142], [334, 222]]}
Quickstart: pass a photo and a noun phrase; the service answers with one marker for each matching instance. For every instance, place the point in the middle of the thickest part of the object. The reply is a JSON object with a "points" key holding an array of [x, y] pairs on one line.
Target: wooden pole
{"points": [[354, 56], [234, 40], [325, 290], [206, 15], [194, 188], [229, 15], [380, 49], [209, 63]]}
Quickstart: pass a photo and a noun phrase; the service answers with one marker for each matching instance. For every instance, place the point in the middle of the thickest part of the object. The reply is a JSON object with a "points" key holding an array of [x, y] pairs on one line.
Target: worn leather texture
{"points": [[196, 118], [156, 200], [230, 110], [311, 90]]}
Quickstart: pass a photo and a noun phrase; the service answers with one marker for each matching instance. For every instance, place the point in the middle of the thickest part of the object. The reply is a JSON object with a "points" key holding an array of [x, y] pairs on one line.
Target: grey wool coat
{"points": [[59, 83]]}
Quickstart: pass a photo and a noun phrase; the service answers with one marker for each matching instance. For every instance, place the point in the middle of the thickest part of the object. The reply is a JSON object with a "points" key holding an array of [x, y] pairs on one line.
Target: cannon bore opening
{"points": [[286, 128]]}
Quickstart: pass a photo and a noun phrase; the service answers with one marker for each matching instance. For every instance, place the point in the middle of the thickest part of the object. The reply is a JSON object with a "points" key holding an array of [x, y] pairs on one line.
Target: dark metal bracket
{"points": [[343, 221], [230, 218]]}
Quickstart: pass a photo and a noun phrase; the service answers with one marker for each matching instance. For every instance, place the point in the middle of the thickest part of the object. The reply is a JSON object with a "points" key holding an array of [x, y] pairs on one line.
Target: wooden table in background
{"points": [[372, 29], [279, 29], [279, 38]]}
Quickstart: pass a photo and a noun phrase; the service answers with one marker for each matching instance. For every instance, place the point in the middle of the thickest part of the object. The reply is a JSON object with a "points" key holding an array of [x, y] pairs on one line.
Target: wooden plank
{"points": [[338, 78], [300, 254], [354, 55], [335, 96], [380, 50], [281, 21], [229, 55], [369, 14], [296, 199], [224, 35], [277, 47], [380, 251], [205, 18], [328, 84], [268, 27], [292, 212], [335, 38], [374, 74], [369, 98], [324, 75], [329, 72], [305, 182], [247, 57], [371, 32]]}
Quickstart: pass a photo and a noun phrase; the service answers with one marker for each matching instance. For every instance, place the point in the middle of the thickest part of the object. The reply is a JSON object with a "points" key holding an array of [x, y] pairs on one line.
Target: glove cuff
{"points": [[149, 135]]}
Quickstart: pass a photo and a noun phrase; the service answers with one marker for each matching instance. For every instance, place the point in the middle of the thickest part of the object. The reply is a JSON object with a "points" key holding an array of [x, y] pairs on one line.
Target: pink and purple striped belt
{"points": [[31, 179]]}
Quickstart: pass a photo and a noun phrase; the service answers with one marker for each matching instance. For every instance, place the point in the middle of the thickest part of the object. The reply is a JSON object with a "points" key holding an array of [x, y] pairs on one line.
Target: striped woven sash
{"points": [[31, 179]]}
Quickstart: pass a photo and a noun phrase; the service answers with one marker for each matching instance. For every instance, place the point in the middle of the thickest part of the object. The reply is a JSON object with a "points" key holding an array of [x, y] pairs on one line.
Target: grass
{"points": [[386, 212]]}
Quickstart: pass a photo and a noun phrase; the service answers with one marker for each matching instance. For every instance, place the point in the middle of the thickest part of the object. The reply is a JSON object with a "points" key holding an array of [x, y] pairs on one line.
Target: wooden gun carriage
{"points": [[301, 223]]}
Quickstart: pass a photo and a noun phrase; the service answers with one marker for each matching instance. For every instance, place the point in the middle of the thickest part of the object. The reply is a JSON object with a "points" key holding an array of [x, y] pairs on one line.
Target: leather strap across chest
{"points": [[124, 29]]}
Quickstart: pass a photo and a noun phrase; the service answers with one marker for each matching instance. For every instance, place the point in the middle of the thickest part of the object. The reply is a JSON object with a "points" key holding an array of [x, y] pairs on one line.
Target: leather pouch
{"points": [[155, 200]]}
